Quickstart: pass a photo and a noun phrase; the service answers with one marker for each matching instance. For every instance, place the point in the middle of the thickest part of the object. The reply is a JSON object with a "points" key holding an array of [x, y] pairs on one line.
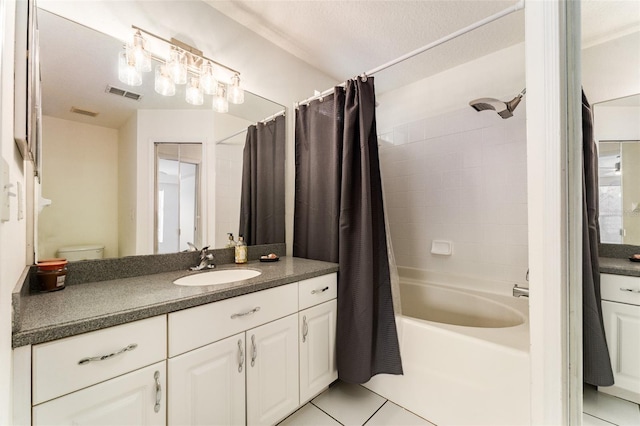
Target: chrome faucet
{"points": [[206, 260], [521, 291]]}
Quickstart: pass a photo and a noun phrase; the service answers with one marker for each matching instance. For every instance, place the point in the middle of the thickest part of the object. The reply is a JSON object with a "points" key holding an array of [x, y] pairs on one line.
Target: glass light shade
{"points": [[220, 102], [194, 94], [177, 65], [235, 94], [207, 80], [128, 73], [142, 56], [164, 84]]}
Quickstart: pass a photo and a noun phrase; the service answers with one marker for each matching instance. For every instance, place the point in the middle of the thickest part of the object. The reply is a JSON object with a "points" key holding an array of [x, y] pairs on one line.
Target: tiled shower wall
{"points": [[459, 177]]}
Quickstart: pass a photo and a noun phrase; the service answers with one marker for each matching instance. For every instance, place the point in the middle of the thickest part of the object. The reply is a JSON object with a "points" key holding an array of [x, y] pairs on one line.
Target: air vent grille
{"points": [[123, 93], [84, 112]]}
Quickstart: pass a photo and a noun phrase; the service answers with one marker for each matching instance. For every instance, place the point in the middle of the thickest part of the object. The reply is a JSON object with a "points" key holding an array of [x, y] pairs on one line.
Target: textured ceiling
{"points": [[345, 38]]}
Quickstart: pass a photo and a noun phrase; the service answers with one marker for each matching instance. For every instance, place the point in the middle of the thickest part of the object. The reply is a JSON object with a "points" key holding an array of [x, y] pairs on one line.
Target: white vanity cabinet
{"points": [[207, 385], [621, 315], [110, 376], [317, 334], [272, 371]]}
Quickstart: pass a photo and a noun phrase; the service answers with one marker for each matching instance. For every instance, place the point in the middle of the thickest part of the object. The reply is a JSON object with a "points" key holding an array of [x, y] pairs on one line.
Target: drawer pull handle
{"points": [[87, 360], [156, 376], [632, 290], [253, 311], [254, 350], [305, 329], [320, 290], [240, 356]]}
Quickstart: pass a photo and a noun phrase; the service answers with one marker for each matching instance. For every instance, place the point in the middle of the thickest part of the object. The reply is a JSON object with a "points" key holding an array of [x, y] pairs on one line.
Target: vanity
{"points": [[620, 286], [143, 350]]}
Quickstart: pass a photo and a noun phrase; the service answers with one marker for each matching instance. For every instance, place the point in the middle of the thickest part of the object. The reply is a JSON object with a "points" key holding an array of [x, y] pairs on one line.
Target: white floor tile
{"points": [[606, 407], [588, 420], [351, 405], [393, 415], [309, 415]]}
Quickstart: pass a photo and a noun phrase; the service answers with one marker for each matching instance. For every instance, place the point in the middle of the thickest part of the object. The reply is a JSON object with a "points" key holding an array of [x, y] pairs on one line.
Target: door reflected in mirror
{"points": [[178, 196]]}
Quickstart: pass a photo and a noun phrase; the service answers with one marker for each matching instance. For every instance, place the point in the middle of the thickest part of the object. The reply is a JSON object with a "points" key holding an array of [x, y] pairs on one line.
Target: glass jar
{"points": [[51, 274]]}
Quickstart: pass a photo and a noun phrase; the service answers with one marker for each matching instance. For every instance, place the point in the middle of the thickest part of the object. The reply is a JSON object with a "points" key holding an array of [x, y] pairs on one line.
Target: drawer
{"points": [[199, 326], [56, 365], [317, 290], [620, 288]]}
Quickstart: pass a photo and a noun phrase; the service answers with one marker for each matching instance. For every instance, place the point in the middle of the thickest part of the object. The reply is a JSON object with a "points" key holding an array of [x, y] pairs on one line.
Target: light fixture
{"points": [[184, 65], [236, 94], [164, 84], [220, 102], [128, 72], [207, 80], [194, 94], [141, 55]]}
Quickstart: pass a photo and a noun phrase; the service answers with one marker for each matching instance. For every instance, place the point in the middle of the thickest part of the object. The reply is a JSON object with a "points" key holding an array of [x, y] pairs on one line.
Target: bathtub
{"points": [[465, 351]]}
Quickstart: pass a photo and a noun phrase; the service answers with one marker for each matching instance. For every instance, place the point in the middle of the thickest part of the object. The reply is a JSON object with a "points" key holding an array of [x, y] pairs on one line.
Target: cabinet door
{"points": [[622, 328], [136, 398], [207, 385], [317, 349], [272, 371]]}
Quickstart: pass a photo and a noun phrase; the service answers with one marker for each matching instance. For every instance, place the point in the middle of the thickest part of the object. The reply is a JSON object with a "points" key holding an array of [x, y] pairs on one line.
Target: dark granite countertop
{"points": [[94, 305], [616, 266]]}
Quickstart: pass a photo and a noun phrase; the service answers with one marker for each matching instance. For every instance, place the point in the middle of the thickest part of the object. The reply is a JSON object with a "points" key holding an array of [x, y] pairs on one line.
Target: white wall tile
{"points": [[460, 176]]}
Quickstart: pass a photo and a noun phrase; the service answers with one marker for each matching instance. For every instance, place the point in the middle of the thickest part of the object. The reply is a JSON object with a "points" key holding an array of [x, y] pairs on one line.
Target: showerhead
{"points": [[504, 109]]}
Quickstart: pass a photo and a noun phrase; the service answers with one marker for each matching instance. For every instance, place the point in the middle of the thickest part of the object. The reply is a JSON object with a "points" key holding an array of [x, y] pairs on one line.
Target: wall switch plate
{"points": [[5, 187]]}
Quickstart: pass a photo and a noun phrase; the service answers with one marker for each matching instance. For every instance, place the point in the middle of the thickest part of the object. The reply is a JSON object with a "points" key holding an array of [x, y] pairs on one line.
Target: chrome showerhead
{"points": [[504, 109]]}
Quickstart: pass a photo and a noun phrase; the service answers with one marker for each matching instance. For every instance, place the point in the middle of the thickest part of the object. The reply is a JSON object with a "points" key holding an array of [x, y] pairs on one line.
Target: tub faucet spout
{"points": [[520, 291]]}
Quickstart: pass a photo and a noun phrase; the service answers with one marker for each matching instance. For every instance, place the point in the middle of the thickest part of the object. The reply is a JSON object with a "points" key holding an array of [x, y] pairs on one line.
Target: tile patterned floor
{"points": [[353, 405]]}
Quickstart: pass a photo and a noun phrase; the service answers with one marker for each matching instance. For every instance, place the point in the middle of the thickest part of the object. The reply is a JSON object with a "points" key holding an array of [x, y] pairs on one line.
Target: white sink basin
{"points": [[221, 276]]}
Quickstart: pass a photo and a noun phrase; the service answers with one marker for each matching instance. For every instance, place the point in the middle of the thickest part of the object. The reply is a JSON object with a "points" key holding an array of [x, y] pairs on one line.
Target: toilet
{"points": [[81, 252]]}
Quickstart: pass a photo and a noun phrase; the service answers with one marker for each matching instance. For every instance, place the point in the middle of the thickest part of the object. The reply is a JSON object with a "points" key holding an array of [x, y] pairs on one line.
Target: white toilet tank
{"points": [[81, 252]]}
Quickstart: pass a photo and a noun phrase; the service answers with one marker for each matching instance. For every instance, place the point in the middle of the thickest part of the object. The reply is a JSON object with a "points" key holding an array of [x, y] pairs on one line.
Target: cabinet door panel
{"points": [[207, 385], [317, 349], [125, 400], [622, 328], [272, 371]]}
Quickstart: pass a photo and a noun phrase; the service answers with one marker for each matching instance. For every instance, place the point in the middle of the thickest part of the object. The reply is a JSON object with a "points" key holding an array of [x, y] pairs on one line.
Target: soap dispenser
{"points": [[241, 250], [232, 242]]}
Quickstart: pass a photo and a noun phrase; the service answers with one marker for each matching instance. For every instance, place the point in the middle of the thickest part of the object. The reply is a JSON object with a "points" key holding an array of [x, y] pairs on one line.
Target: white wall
{"points": [[127, 194], [12, 233], [456, 174], [228, 191], [81, 164]]}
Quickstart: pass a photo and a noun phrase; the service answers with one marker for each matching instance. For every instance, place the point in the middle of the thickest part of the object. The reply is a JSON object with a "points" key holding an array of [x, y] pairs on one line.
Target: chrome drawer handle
{"points": [[320, 290], [632, 290], [253, 311], [305, 329], [240, 356], [156, 376], [87, 360], [254, 350]]}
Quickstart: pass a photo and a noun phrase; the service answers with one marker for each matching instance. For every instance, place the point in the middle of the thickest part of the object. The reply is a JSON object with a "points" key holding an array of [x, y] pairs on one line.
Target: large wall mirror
{"points": [[617, 132], [99, 139]]}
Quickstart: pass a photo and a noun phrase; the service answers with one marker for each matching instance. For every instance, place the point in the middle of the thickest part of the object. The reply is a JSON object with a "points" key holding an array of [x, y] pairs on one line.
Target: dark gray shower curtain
{"points": [[262, 205], [596, 362], [339, 217]]}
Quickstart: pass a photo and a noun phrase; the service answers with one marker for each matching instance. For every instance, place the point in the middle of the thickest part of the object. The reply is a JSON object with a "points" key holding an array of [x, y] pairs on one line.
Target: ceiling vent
{"points": [[123, 93], [84, 112]]}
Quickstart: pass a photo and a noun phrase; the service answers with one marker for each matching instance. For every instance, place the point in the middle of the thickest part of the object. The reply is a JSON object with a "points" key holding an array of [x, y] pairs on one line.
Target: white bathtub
{"points": [[464, 352]]}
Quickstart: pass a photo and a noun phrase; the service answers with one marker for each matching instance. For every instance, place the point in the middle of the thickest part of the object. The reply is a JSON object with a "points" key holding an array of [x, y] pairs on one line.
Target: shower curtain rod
{"points": [[516, 7], [239, 132]]}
